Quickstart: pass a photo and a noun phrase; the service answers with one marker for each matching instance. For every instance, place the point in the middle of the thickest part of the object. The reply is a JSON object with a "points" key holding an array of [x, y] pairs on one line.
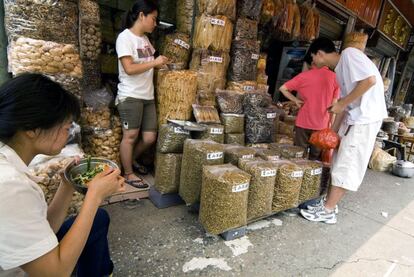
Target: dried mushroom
{"points": [[213, 32], [244, 56], [287, 186], [39, 56], [197, 153], [311, 183], [171, 139], [234, 139], [177, 48], [233, 123], [230, 101], [176, 92], [214, 132], [261, 188], [224, 197], [167, 172], [245, 29], [233, 153], [222, 7]]}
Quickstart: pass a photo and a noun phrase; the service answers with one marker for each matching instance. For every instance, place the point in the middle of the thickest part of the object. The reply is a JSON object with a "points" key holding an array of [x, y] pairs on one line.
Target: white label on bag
{"points": [[241, 187], [273, 158], [317, 171], [216, 131], [268, 173], [299, 155], [297, 174], [247, 156], [248, 88], [181, 43], [255, 57], [214, 156], [213, 59], [219, 22], [179, 130], [271, 115]]}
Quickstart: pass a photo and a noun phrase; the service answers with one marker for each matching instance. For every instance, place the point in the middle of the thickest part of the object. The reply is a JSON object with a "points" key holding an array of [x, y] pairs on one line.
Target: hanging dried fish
{"points": [[244, 57], [213, 32], [167, 173], [224, 197]]}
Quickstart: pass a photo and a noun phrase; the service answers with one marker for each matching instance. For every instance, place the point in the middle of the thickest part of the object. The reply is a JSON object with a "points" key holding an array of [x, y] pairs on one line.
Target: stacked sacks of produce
{"points": [[288, 151], [224, 198], [169, 155], [176, 92], [214, 132], [197, 153], [90, 33], [233, 128], [311, 183], [268, 154], [233, 153]]}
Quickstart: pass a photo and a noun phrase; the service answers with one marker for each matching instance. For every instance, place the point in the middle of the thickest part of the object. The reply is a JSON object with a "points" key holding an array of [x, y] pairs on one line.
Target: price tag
{"points": [[179, 130], [241, 187], [247, 156], [299, 155], [216, 131], [219, 22], [248, 88], [268, 173], [214, 156], [273, 158], [213, 59], [297, 174], [181, 43], [255, 57], [317, 171], [271, 115]]}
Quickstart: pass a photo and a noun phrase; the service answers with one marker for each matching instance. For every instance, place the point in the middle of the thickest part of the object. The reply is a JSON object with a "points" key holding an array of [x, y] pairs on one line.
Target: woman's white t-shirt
{"points": [[139, 86], [25, 233]]}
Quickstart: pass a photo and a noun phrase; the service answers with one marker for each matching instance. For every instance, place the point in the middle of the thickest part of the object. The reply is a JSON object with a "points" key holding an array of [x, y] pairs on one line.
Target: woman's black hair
{"points": [[33, 101], [144, 6]]}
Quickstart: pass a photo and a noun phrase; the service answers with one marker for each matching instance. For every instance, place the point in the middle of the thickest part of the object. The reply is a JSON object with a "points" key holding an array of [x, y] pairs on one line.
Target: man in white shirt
{"points": [[360, 112]]}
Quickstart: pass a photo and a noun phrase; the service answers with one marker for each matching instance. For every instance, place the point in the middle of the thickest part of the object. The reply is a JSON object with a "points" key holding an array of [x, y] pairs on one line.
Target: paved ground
{"points": [[374, 236]]}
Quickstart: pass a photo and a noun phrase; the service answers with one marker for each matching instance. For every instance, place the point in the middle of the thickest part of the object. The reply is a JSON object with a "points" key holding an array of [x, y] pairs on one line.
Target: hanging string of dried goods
{"points": [[49, 20], [235, 139], [224, 197], [243, 86], [171, 139], [39, 56], [230, 101], [284, 23], [176, 48], [233, 123], [307, 22], [167, 172], [296, 21], [268, 11], [316, 20], [213, 132], [233, 153], [197, 153], [287, 186], [245, 29], [215, 7], [249, 9], [185, 13], [311, 183], [244, 56], [261, 189], [176, 92], [205, 114], [213, 32]]}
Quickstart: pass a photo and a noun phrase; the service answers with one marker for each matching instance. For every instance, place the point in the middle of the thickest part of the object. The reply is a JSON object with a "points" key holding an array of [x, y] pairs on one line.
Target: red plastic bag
{"points": [[327, 155], [325, 139]]}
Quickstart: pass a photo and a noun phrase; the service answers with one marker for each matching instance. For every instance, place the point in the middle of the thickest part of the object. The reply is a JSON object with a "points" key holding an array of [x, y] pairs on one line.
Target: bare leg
{"points": [[148, 139], [128, 142], [335, 194]]}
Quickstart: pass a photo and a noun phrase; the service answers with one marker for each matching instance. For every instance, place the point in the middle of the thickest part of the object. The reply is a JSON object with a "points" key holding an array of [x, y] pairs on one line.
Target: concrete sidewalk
{"points": [[374, 236]]}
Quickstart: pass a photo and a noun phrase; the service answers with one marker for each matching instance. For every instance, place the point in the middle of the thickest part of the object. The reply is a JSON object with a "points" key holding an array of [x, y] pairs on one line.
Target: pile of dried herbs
{"points": [[233, 123], [261, 188], [224, 197], [233, 153], [244, 163], [167, 172], [171, 139], [197, 153], [311, 183], [268, 154], [234, 139], [287, 187], [214, 132]]}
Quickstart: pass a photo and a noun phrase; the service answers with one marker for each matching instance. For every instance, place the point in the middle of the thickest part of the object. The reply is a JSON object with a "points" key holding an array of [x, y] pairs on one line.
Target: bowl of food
{"points": [[79, 175]]}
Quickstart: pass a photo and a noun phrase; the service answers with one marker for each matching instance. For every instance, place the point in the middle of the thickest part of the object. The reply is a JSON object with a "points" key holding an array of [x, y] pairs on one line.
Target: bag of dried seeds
{"points": [[268, 154], [167, 172], [311, 183], [245, 29], [224, 196], [288, 151], [232, 153], [287, 186], [233, 123], [197, 153], [234, 139], [171, 139], [244, 57], [214, 132], [261, 188], [230, 101], [244, 163], [249, 8]]}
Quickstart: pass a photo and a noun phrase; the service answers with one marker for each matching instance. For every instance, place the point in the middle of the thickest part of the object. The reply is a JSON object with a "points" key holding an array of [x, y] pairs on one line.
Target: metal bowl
{"points": [[403, 169], [73, 170]]}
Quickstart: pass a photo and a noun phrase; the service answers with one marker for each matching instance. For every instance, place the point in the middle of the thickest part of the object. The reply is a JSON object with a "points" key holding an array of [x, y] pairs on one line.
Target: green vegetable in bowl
{"points": [[84, 178]]}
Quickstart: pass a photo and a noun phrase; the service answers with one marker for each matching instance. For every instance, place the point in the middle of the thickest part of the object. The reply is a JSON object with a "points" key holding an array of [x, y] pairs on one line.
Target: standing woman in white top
{"points": [[135, 100], [35, 117]]}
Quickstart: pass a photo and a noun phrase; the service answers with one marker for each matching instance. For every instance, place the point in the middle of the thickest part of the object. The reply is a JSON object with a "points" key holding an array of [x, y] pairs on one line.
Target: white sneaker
{"points": [[320, 203], [319, 215]]}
